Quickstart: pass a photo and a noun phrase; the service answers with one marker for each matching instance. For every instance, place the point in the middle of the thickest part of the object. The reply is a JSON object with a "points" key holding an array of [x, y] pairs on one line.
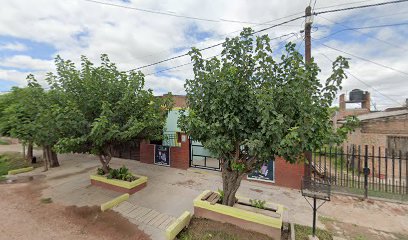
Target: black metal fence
{"points": [[367, 170]]}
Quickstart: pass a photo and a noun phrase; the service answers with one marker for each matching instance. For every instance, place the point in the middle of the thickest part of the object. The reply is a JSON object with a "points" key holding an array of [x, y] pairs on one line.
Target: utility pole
{"points": [[308, 58], [308, 38]]}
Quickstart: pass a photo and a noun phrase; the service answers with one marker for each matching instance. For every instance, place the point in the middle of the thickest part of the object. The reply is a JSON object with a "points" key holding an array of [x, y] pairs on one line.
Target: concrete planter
{"points": [[119, 185], [250, 218]]}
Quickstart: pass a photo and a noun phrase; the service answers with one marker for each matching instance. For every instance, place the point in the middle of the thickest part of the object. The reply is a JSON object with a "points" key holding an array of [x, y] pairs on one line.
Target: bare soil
{"points": [[203, 229], [353, 231], [25, 216]]}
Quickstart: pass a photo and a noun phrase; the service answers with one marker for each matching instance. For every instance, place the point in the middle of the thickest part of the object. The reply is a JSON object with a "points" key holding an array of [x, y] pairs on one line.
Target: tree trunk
{"points": [[54, 158], [45, 159], [231, 180], [29, 155], [105, 159]]}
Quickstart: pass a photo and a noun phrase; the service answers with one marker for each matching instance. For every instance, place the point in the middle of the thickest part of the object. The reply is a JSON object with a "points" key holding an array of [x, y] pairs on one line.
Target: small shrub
{"points": [[100, 171], [221, 193], [4, 142], [46, 200], [121, 174], [257, 203]]}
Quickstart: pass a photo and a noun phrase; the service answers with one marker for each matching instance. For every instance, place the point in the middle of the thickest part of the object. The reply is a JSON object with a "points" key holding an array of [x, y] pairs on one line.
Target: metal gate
{"points": [[363, 170], [201, 157]]}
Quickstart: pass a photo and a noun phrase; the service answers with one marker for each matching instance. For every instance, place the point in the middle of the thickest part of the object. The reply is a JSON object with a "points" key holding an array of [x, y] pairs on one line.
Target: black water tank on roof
{"points": [[356, 95]]}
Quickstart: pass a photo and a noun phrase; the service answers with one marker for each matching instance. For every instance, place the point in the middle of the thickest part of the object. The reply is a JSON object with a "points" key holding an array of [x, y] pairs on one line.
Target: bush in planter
{"points": [[121, 174], [257, 203]]}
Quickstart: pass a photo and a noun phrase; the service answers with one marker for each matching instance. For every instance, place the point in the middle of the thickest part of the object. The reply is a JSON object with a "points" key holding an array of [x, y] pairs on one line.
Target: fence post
{"points": [[366, 171]]}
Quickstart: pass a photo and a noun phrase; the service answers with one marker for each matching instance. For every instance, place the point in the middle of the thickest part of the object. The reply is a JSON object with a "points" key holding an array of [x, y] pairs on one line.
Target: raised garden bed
{"points": [[267, 221], [119, 185]]}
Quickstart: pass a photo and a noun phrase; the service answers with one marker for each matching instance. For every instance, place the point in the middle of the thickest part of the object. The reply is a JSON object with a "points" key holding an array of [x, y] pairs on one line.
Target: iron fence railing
{"points": [[361, 167]]}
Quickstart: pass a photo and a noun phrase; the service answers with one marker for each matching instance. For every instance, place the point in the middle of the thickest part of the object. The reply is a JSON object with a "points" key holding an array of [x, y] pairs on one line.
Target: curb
{"points": [[114, 202], [178, 225], [20, 170]]}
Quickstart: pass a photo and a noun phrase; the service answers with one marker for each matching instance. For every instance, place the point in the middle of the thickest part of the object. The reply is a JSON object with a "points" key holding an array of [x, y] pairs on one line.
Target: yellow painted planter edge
{"points": [[20, 170], [114, 202], [240, 213], [120, 183], [178, 225]]}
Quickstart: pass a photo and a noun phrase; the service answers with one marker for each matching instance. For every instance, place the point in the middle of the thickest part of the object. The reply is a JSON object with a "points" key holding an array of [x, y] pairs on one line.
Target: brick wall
{"points": [[179, 156], [288, 175], [146, 153]]}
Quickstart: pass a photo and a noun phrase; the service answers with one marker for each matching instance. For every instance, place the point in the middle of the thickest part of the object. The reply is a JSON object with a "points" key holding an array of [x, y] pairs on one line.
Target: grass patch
{"points": [[303, 232], [46, 200], [4, 142], [373, 193], [10, 161], [204, 229], [324, 219]]}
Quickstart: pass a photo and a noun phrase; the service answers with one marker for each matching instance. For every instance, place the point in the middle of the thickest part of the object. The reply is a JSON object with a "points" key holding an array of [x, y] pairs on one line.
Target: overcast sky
{"points": [[33, 32]]}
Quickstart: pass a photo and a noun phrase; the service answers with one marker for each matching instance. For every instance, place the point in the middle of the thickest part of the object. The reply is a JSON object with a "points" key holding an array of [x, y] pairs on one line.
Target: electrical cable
{"points": [[189, 63], [365, 34], [363, 82], [215, 45], [276, 25], [359, 7], [152, 11], [365, 59]]}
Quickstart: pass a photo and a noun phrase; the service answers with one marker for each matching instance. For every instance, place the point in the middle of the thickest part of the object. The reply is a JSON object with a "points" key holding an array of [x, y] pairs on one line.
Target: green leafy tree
{"points": [[247, 107], [112, 106], [19, 111]]}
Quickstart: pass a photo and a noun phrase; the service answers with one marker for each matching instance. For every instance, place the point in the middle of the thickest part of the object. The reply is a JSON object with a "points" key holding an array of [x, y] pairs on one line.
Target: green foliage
{"points": [[121, 174], [4, 142], [46, 200], [303, 232], [257, 203], [247, 106], [341, 133], [110, 107], [10, 161], [221, 193], [100, 171]]}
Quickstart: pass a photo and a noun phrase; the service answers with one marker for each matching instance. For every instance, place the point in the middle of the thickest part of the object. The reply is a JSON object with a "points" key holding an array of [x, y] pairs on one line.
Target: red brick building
{"points": [[184, 153]]}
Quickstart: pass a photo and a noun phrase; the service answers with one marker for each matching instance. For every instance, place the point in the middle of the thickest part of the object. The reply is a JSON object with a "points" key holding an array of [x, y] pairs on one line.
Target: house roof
{"points": [[376, 115]]}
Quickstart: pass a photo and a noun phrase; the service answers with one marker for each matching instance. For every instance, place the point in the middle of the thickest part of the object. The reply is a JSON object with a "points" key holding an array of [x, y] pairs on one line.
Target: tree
{"points": [[18, 113], [111, 106], [247, 107]]}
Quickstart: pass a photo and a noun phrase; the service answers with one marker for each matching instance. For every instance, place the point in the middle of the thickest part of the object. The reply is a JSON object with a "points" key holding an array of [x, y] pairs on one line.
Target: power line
{"points": [[359, 7], [347, 28], [363, 82], [343, 4], [189, 63], [273, 26], [152, 11], [215, 45], [365, 59]]}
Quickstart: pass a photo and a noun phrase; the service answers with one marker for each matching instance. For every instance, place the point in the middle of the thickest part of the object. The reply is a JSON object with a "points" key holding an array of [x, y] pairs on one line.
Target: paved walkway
{"points": [[151, 221], [170, 192]]}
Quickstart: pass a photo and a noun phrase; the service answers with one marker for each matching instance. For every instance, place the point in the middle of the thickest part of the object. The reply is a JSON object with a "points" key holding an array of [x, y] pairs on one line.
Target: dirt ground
{"points": [[203, 229], [353, 231], [24, 215]]}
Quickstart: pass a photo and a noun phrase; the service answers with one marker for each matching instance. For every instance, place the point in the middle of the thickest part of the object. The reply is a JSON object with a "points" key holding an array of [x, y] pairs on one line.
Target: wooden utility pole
{"points": [[308, 58], [308, 38]]}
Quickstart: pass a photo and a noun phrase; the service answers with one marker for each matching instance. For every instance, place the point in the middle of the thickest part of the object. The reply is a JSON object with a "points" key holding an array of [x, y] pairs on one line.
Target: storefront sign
{"points": [[162, 155], [265, 173]]}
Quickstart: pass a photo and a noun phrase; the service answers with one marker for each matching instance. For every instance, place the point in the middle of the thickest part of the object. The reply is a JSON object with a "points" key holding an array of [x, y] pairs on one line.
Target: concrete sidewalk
{"points": [[170, 192]]}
